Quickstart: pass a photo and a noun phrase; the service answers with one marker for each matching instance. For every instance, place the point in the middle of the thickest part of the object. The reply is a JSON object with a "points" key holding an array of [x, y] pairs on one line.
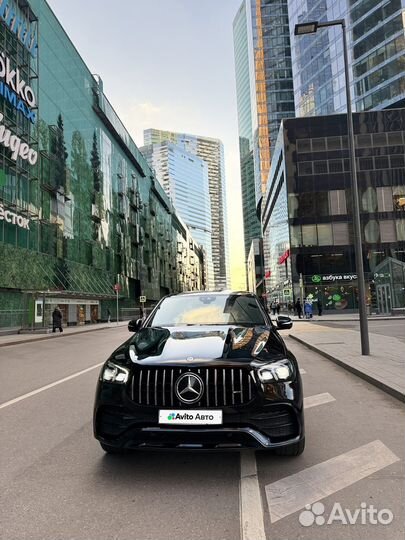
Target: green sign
{"points": [[316, 278]]}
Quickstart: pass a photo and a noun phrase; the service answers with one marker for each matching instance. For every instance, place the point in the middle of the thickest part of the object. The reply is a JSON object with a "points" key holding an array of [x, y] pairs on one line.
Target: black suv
{"points": [[206, 370]]}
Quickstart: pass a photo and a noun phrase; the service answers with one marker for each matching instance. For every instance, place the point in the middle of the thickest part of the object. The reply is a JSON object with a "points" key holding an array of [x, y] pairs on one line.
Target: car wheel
{"points": [[111, 449], [295, 449]]}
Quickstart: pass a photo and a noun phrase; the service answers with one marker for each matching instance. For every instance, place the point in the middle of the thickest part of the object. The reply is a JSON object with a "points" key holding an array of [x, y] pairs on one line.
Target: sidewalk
{"points": [[384, 368], [17, 339], [342, 317]]}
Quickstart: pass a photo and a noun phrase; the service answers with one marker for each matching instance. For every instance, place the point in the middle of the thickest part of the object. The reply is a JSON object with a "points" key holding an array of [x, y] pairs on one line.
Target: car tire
{"points": [[108, 449], [295, 449]]}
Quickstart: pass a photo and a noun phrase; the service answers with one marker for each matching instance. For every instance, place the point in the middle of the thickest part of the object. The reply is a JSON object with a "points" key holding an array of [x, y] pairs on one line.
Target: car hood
{"points": [[196, 346]]}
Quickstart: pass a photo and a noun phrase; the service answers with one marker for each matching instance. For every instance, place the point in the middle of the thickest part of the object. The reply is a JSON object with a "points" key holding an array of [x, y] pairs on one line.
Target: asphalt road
{"points": [[57, 484], [393, 328]]}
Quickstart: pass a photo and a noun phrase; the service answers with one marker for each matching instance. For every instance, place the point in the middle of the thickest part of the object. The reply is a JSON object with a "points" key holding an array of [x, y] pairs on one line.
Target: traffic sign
{"points": [[142, 299]]}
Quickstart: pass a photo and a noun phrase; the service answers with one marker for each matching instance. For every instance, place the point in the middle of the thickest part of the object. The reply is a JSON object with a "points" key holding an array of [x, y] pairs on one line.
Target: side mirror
{"points": [[284, 323], [135, 325]]}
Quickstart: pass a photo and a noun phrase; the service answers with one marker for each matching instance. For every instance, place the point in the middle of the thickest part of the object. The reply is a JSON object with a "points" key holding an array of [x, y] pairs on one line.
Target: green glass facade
{"points": [[87, 212]]}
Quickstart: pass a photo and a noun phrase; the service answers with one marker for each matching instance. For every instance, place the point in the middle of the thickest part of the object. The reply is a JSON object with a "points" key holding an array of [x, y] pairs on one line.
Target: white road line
{"points": [[250, 501], [302, 371], [293, 493], [318, 399], [34, 392]]}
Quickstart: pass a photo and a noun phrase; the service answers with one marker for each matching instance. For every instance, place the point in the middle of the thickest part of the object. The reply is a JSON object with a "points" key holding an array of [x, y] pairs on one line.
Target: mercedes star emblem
{"points": [[189, 388]]}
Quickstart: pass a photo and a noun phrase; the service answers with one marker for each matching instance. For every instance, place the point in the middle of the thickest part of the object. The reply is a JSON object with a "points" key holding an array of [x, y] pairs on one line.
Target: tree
{"points": [[58, 149], [96, 165]]}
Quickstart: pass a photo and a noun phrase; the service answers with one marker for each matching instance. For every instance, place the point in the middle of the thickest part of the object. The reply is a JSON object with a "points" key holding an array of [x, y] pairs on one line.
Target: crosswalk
{"points": [[313, 484]]}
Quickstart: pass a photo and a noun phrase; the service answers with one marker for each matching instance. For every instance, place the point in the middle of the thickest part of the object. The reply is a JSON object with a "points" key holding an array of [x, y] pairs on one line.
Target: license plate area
{"points": [[187, 417]]}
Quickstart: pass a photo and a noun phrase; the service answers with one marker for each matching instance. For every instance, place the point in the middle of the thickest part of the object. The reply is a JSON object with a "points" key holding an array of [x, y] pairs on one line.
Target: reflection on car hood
{"points": [[199, 344]]}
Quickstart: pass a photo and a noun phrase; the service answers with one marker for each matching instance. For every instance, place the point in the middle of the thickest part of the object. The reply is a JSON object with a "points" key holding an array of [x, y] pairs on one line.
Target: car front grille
{"points": [[222, 387]]}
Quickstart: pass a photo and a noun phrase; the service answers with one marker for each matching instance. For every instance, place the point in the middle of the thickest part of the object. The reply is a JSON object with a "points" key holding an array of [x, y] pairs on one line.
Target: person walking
{"points": [[308, 309], [108, 315], [278, 308], [57, 319], [273, 307], [320, 307], [298, 307]]}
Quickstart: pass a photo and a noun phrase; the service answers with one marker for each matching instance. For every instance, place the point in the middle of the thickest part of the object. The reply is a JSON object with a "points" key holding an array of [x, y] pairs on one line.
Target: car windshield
{"points": [[208, 309]]}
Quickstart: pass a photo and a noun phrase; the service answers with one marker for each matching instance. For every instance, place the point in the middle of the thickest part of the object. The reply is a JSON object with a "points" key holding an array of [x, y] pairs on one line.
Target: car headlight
{"points": [[114, 373], [278, 371]]}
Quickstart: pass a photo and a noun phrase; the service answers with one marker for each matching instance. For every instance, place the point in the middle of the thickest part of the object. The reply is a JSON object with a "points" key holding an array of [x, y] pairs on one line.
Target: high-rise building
{"points": [[376, 43], [212, 152], [251, 223], [262, 53], [184, 177]]}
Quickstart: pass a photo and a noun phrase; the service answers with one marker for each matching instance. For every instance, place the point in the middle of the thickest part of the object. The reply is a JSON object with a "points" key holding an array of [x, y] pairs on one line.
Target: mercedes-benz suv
{"points": [[205, 370]]}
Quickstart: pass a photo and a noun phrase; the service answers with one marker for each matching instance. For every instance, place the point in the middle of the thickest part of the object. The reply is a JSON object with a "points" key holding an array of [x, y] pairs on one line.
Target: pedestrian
{"points": [[57, 319], [108, 315], [278, 308], [308, 309], [320, 307], [273, 307], [298, 307]]}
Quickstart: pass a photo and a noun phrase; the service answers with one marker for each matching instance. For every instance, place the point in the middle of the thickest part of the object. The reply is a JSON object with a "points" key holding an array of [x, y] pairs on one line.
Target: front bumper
{"points": [[272, 419]]}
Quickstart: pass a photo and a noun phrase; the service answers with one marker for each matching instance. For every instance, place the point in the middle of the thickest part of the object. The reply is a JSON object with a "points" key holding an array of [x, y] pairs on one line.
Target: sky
{"points": [[167, 64]]}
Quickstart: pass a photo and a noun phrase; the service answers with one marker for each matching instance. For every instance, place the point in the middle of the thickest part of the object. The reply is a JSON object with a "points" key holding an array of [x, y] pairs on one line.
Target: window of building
{"points": [[304, 168], [372, 232], [397, 162], [366, 164], [340, 234], [319, 144], [296, 237], [395, 138], [334, 143], [307, 205], [320, 167], [387, 230], [369, 200], [337, 202], [309, 236], [400, 224], [335, 166], [398, 193], [384, 199], [292, 205], [325, 237], [381, 162], [303, 145], [363, 141]]}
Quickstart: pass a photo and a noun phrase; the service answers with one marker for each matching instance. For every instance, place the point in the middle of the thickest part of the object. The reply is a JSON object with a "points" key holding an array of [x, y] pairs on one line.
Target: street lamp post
{"points": [[311, 28]]}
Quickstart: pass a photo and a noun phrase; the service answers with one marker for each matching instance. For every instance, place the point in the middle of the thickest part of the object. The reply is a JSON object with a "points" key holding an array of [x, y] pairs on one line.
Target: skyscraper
{"points": [[262, 52], [184, 177], [211, 151], [251, 223], [376, 43]]}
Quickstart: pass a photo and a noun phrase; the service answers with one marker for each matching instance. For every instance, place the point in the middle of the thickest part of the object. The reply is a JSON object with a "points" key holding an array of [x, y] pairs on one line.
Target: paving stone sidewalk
{"points": [[384, 368]]}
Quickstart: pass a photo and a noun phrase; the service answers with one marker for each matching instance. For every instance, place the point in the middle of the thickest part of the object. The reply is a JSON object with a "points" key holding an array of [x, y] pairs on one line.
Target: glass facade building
{"points": [[261, 27], [184, 178], [211, 151], [308, 230], [376, 43], [251, 223], [80, 209]]}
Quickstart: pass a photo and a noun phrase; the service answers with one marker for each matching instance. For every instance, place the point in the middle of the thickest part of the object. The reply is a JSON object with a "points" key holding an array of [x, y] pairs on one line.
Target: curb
{"points": [[57, 336], [372, 380]]}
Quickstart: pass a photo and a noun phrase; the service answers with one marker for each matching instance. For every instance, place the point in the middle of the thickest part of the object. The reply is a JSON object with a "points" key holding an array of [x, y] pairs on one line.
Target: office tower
{"points": [[376, 43], [184, 177], [262, 53], [211, 151]]}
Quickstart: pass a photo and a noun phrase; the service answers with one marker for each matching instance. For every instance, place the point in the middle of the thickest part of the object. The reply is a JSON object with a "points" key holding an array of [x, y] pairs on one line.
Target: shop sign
{"points": [[13, 218], [72, 301], [17, 147], [333, 278], [15, 90], [284, 257], [25, 30]]}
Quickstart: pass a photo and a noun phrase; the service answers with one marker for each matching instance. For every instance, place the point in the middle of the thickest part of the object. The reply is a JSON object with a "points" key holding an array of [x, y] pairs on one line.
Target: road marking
{"points": [[34, 392], [302, 371], [317, 399], [250, 501], [293, 493]]}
